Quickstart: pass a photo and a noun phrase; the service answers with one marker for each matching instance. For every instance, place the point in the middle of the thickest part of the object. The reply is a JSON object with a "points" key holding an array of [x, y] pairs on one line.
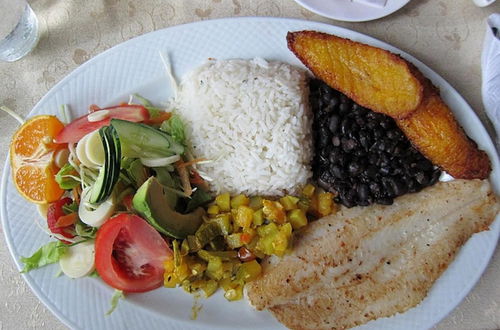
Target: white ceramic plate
{"points": [[135, 66], [350, 11]]}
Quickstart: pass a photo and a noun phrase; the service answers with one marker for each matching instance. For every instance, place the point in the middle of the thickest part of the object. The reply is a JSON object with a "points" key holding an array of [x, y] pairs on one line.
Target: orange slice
{"points": [[31, 158]]}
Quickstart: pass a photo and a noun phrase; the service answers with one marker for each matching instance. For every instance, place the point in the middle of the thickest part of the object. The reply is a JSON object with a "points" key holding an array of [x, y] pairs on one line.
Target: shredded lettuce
{"points": [[70, 208], [115, 299], [66, 177], [84, 230], [94, 274], [48, 254], [175, 127], [153, 111]]}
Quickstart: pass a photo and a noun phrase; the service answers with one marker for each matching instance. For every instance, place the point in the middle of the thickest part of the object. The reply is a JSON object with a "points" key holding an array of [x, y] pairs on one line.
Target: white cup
{"points": [[483, 3]]}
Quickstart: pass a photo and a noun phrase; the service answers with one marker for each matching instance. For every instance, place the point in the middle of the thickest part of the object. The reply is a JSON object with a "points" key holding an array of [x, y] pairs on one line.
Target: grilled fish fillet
{"points": [[369, 262]]}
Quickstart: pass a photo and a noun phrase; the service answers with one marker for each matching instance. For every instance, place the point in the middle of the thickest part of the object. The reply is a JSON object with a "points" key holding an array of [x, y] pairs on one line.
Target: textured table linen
{"points": [[445, 35]]}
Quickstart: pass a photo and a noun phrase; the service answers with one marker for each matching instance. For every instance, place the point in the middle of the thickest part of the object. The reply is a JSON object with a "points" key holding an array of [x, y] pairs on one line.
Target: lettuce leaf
{"points": [[175, 128], [64, 177], [115, 299], [48, 254]]}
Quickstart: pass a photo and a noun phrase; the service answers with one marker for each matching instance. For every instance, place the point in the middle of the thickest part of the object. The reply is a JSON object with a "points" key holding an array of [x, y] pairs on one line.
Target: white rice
{"points": [[251, 118]]}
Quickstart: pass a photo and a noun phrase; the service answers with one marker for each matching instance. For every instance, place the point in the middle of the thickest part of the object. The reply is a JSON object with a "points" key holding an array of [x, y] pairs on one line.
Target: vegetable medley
{"points": [[134, 209]]}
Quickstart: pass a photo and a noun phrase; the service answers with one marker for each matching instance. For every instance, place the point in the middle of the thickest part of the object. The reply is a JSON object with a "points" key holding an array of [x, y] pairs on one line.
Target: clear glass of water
{"points": [[18, 29]]}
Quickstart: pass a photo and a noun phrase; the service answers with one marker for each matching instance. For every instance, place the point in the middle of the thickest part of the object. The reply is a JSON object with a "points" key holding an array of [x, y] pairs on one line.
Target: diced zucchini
{"points": [[258, 218], [224, 222], [234, 241], [256, 202], [249, 271]]}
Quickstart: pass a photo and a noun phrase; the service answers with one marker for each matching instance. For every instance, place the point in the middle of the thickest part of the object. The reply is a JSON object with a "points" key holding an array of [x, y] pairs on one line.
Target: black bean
{"points": [[360, 154], [344, 99], [343, 108], [333, 123], [425, 165], [363, 190], [421, 178], [354, 168], [336, 140], [384, 201], [435, 176], [345, 126], [348, 144], [385, 170], [337, 172], [364, 140], [323, 184], [378, 133]]}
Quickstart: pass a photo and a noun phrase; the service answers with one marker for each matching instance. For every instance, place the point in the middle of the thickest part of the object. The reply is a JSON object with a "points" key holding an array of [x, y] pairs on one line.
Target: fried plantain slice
{"points": [[374, 78], [384, 82], [436, 134]]}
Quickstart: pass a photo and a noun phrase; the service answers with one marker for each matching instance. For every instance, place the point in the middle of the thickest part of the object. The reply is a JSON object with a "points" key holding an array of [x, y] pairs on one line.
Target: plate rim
{"points": [[292, 21]]}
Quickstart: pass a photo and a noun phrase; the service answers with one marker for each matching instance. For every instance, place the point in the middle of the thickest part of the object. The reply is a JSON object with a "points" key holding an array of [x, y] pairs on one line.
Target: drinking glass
{"points": [[18, 29]]}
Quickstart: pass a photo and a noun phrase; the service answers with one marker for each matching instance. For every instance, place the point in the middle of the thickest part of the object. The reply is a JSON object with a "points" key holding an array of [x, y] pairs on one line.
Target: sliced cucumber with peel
{"points": [[110, 171], [143, 141]]}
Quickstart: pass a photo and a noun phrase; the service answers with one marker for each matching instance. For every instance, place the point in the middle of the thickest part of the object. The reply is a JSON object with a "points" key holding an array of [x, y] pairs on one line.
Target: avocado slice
{"points": [[154, 204]]}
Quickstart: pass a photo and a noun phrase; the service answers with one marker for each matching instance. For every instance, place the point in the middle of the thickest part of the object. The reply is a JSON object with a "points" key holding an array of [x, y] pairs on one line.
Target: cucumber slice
{"points": [[143, 141], [110, 171]]}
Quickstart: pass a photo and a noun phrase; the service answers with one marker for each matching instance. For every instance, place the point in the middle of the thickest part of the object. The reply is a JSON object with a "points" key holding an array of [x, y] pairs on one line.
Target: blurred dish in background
{"points": [[352, 11]]}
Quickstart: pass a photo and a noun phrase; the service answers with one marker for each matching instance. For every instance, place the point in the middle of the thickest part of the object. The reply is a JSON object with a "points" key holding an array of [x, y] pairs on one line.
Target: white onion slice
{"points": [[160, 162], [78, 261]]}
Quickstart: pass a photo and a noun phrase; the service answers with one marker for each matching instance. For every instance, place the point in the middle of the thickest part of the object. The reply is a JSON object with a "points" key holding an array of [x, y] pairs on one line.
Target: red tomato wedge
{"points": [[80, 127], [54, 212], [130, 254]]}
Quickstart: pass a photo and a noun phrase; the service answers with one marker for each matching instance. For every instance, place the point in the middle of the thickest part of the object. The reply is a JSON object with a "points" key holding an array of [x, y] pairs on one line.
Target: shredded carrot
{"points": [[66, 220], [159, 119], [192, 162], [184, 176], [245, 238], [76, 194]]}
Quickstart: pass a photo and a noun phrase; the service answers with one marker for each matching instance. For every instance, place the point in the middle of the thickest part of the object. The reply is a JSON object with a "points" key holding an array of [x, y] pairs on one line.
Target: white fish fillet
{"points": [[369, 262]]}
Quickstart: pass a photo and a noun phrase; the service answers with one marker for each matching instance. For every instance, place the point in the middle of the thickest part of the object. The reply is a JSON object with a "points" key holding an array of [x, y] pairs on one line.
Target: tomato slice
{"points": [[130, 254], [80, 127], [54, 212]]}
